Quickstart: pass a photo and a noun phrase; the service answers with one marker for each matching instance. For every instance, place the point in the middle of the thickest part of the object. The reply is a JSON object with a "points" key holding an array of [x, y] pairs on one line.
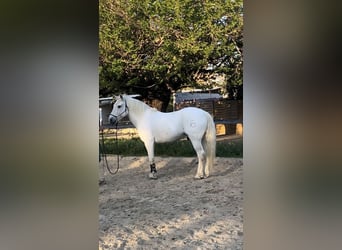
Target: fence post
{"points": [[213, 107]]}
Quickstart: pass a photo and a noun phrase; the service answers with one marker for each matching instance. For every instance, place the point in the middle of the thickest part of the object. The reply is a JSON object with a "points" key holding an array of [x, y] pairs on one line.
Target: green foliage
{"points": [[180, 148], [229, 148], [167, 44]]}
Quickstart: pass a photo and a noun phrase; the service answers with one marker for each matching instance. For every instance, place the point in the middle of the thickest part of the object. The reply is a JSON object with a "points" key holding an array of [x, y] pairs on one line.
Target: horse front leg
{"points": [[149, 145], [153, 173]]}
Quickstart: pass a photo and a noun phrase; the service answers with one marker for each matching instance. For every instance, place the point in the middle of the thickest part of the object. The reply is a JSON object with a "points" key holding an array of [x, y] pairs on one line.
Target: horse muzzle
{"points": [[113, 120]]}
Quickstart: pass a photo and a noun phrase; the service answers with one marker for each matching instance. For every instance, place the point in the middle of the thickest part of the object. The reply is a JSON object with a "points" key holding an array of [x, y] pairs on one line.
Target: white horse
{"points": [[154, 126]]}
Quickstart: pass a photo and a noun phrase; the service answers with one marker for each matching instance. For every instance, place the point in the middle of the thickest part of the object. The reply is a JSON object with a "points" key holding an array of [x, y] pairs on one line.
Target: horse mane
{"points": [[135, 104]]}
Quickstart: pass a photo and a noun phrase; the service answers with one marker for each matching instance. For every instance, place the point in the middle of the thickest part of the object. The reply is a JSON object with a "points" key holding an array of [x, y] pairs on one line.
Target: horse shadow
{"points": [[177, 167], [232, 168], [181, 168]]}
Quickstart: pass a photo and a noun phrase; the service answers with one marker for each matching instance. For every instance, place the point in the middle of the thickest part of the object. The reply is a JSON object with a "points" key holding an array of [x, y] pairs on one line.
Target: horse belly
{"points": [[166, 131], [168, 137]]}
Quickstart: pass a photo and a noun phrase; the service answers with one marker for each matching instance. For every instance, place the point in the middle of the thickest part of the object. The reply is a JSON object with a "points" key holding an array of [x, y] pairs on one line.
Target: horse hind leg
{"points": [[207, 161], [201, 157]]}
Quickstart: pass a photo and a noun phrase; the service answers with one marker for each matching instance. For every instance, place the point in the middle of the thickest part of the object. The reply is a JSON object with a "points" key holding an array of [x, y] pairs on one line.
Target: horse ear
{"points": [[115, 98], [120, 96]]}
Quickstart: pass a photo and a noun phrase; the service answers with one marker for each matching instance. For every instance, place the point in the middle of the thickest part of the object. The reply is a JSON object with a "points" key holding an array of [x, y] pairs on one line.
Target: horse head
{"points": [[119, 111]]}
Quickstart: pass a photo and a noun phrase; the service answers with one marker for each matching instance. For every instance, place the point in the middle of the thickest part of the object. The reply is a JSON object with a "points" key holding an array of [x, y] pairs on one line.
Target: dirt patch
{"points": [[175, 211]]}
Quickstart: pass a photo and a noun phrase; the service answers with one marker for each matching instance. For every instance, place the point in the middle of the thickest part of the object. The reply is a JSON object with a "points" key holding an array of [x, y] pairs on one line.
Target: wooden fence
{"points": [[227, 114], [223, 111]]}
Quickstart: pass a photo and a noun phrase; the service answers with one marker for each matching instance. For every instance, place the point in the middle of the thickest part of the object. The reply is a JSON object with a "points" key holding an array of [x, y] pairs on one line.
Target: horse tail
{"points": [[210, 141]]}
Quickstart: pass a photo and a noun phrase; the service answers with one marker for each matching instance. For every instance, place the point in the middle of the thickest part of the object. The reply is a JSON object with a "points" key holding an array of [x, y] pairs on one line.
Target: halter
{"points": [[116, 116]]}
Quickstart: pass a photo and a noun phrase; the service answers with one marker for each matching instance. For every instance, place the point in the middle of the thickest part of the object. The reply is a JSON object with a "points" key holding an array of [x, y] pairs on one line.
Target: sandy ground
{"points": [[175, 211]]}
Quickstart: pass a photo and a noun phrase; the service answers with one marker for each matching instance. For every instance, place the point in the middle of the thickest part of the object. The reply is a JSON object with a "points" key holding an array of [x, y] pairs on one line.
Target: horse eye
{"points": [[119, 106]]}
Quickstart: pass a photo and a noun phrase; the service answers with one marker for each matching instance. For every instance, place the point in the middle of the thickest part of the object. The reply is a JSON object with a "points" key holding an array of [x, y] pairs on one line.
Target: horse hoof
{"points": [[153, 176], [198, 177]]}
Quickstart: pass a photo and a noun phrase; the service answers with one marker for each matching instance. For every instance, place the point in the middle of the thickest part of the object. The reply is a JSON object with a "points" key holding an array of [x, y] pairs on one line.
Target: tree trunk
{"points": [[163, 95], [165, 102]]}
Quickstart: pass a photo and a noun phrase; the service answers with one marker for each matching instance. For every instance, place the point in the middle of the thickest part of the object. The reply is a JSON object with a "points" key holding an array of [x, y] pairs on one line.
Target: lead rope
{"points": [[104, 155]]}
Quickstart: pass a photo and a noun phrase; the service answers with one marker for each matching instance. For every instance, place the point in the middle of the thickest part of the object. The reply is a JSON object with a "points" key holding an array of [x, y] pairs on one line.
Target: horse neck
{"points": [[136, 110]]}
